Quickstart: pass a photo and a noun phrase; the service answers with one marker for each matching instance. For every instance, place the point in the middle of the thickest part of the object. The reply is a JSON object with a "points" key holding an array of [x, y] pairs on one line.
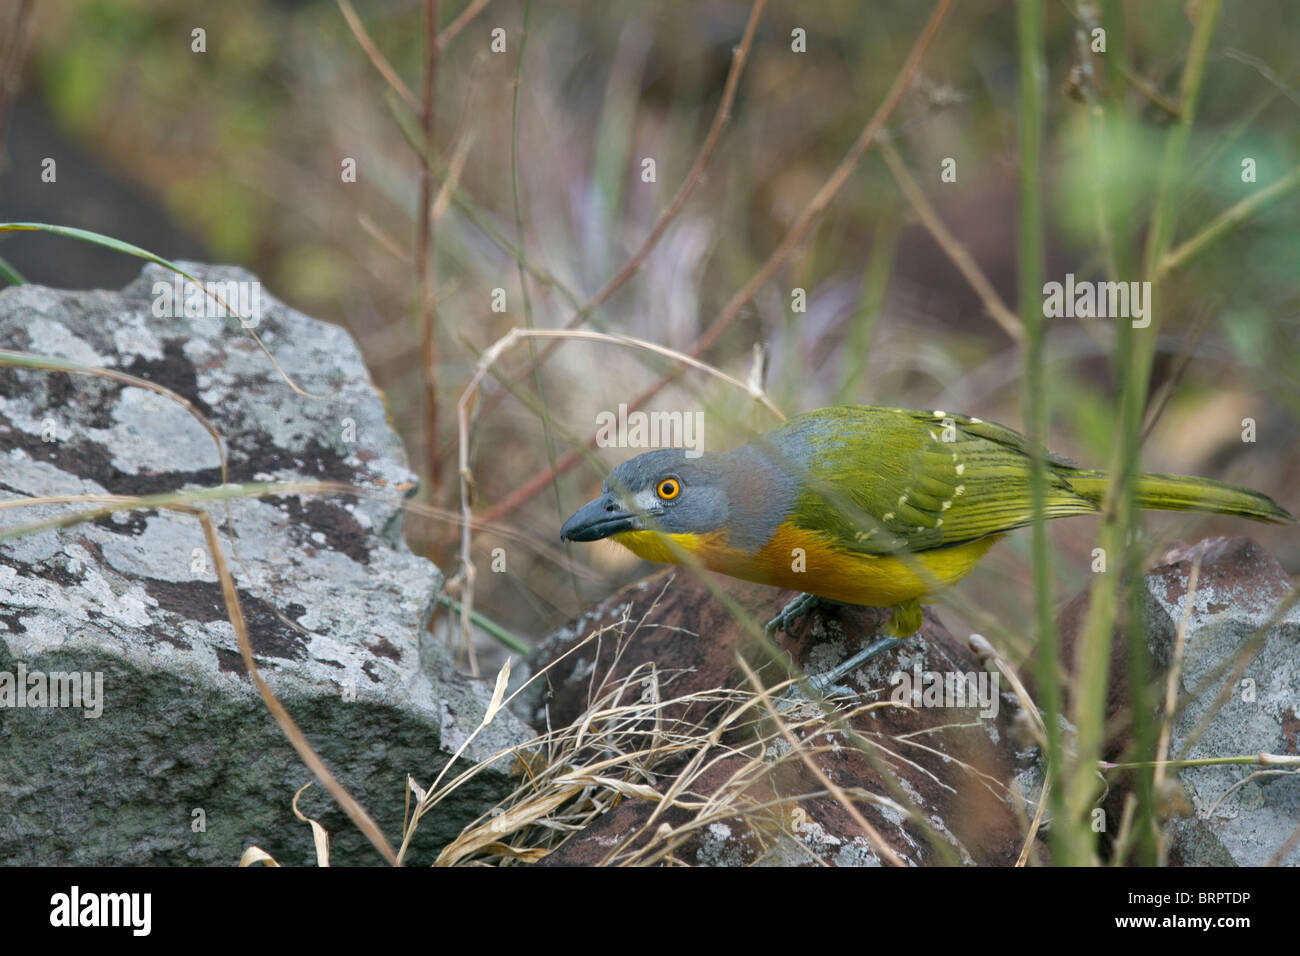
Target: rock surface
{"points": [[184, 763], [1226, 819], [1240, 815], [961, 773]]}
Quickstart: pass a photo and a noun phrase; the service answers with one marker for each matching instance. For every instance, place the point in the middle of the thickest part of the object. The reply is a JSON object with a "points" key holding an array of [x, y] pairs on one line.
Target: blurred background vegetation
{"points": [[234, 156]]}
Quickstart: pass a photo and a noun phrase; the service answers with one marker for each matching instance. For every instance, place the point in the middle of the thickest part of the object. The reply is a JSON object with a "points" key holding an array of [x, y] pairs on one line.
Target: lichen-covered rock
{"points": [[1225, 819], [1242, 815], [179, 761]]}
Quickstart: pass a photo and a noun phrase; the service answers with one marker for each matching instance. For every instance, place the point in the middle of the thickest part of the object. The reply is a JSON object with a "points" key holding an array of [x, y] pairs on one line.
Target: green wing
{"points": [[884, 480]]}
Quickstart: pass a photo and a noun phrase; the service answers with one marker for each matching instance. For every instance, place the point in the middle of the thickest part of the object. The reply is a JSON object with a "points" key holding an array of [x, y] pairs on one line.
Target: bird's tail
{"points": [[1183, 493]]}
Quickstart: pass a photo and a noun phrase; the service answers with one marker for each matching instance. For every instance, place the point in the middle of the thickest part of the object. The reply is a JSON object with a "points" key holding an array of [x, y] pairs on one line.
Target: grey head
{"points": [[661, 490], [740, 491]]}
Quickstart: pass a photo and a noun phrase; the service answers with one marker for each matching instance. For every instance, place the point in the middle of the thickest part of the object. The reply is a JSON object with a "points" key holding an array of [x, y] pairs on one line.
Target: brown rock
{"points": [[937, 783]]}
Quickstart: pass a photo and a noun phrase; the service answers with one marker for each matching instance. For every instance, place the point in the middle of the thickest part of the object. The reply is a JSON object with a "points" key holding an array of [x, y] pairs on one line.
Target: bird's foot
{"points": [[828, 681], [905, 621], [796, 609]]}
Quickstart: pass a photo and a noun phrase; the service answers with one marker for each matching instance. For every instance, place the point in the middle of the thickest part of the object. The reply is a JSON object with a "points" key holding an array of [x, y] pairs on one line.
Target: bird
{"points": [[866, 505]]}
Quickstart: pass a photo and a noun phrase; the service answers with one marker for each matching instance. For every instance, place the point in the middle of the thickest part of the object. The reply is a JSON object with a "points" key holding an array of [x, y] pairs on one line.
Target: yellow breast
{"points": [[804, 560]]}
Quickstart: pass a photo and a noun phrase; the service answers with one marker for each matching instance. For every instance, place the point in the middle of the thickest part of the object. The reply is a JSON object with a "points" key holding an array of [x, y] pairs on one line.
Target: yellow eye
{"points": [[668, 489]]}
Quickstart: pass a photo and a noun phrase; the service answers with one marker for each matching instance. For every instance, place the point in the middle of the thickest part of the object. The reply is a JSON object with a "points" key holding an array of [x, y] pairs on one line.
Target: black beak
{"points": [[599, 519]]}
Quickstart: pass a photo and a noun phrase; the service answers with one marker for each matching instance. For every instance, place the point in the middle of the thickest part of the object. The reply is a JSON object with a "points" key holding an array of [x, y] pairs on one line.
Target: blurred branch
{"points": [[425, 251], [378, 59], [1148, 89], [455, 167], [1160, 400], [1245, 120], [1164, 217], [461, 22], [855, 352], [1224, 223], [1121, 522], [783, 251], [752, 388], [10, 275], [1031, 64], [950, 244], [373, 230], [1264, 70], [488, 625]]}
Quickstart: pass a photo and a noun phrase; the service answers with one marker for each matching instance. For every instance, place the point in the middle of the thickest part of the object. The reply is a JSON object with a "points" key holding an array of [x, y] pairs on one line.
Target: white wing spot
{"points": [[939, 523], [959, 490], [887, 516], [961, 468], [946, 505], [977, 421], [902, 500], [939, 414]]}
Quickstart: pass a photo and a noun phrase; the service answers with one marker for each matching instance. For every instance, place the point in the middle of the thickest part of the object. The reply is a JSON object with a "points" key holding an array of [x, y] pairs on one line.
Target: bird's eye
{"points": [[668, 489]]}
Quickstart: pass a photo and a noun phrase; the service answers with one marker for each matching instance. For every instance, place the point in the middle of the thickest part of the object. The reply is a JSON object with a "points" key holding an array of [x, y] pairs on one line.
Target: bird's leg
{"points": [[793, 611], [905, 621]]}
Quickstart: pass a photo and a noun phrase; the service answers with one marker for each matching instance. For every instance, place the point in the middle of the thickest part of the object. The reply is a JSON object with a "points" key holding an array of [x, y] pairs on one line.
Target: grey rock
{"points": [[1242, 815], [134, 598]]}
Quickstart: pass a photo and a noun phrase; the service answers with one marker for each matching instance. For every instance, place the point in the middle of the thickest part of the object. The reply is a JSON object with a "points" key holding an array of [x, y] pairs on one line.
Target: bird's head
{"points": [[662, 492]]}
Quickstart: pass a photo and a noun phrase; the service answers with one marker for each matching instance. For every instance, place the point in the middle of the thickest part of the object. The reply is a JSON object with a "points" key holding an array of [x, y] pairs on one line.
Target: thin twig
{"points": [[425, 251], [378, 59], [1031, 55], [1149, 90], [364, 822], [950, 244], [461, 22], [1242, 760], [1172, 678], [1263, 69], [1225, 222], [374, 231]]}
